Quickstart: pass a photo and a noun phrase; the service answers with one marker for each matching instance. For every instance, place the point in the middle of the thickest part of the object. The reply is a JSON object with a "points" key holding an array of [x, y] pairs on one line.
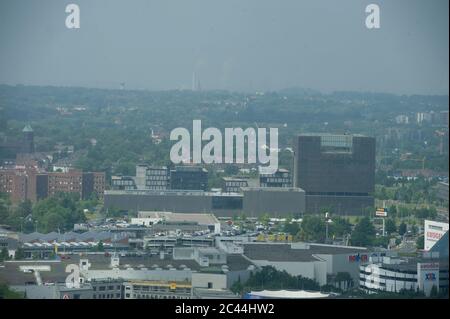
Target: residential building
{"points": [[29, 183]]}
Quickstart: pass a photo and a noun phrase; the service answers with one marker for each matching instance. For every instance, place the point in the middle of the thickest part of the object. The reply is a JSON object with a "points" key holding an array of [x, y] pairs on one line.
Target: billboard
{"points": [[427, 277], [433, 232], [381, 212]]}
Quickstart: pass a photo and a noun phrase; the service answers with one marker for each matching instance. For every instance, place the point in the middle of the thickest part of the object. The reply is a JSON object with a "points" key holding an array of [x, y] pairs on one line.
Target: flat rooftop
{"points": [[297, 252], [200, 218], [138, 192], [12, 275], [274, 189]]}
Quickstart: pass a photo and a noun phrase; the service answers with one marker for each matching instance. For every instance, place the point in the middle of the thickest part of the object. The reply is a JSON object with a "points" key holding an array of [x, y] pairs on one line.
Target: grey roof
{"points": [[410, 264], [168, 192], [236, 262], [335, 249], [277, 252], [285, 252], [200, 218], [273, 189], [71, 236], [11, 274]]}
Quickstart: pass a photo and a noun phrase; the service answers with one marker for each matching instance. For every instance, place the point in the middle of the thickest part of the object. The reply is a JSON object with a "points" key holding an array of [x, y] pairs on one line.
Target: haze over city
{"points": [[232, 45], [222, 151]]}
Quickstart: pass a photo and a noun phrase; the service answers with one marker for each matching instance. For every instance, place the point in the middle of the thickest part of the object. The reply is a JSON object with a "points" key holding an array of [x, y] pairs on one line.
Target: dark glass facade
{"points": [[336, 171], [189, 178]]}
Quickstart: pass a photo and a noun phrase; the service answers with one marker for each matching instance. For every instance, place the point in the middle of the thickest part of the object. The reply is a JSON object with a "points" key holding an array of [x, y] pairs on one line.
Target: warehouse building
{"points": [[275, 201], [253, 202], [220, 204]]}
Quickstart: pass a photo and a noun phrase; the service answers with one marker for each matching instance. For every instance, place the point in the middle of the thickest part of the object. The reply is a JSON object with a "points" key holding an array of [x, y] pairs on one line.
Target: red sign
{"points": [[358, 258], [432, 235], [429, 266]]}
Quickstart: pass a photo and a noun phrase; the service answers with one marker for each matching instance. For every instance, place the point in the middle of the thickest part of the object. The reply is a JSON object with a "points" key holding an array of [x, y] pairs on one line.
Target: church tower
{"points": [[28, 140]]}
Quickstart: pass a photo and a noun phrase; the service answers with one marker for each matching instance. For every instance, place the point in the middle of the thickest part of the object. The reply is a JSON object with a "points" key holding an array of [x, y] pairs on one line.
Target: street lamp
{"points": [[327, 221]]}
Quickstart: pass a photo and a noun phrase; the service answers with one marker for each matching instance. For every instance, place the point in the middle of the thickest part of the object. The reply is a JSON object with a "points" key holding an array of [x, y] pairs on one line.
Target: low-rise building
{"points": [[314, 261], [233, 184], [396, 274], [275, 201], [123, 182], [156, 289], [281, 178]]}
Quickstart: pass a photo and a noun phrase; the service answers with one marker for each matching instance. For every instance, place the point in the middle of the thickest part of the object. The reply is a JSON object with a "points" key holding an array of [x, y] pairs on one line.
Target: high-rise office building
{"points": [[337, 172]]}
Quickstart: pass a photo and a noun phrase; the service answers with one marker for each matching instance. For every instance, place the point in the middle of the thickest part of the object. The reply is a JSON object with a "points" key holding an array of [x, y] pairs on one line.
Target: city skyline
{"points": [[269, 47]]}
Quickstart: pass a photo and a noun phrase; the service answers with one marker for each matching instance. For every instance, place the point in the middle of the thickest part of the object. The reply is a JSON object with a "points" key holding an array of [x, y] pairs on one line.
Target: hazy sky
{"points": [[230, 44]]}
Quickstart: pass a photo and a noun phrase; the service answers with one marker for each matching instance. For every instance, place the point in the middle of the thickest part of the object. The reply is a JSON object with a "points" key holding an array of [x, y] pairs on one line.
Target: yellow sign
{"points": [[173, 286]]}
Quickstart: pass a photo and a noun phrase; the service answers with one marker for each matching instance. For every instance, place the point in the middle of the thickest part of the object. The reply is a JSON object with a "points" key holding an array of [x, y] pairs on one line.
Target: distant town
{"points": [[91, 207]]}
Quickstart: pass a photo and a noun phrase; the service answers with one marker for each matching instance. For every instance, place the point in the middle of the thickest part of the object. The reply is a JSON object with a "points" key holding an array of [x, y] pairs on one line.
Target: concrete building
{"points": [[233, 184], [395, 274], [314, 261], [275, 201], [123, 183], [254, 202], [157, 178], [219, 204], [115, 277], [157, 289], [337, 172], [147, 178], [107, 288], [177, 220], [422, 273]]}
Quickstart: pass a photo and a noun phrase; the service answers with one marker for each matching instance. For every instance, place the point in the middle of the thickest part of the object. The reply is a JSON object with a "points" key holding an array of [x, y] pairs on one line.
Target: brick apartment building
{"points": [[28, 183]]}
